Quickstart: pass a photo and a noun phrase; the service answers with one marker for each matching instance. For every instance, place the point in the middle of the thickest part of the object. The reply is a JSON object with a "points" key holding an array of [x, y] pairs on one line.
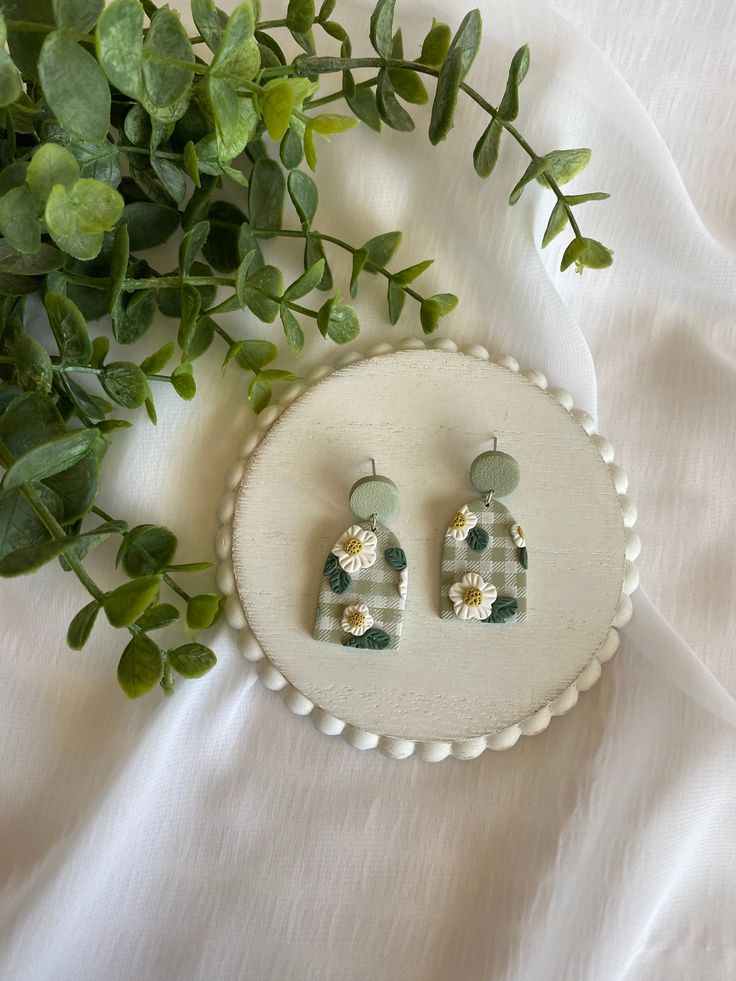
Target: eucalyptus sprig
{"points": [[121, 134]]}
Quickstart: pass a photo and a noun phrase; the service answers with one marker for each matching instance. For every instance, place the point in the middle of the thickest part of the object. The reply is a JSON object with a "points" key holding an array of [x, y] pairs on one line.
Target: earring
{"points": [[484, 557], [365, 578]]}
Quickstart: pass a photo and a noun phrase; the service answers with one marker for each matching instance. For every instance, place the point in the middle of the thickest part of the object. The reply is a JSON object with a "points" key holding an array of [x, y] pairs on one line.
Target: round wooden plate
{"points": [[424, 413]]}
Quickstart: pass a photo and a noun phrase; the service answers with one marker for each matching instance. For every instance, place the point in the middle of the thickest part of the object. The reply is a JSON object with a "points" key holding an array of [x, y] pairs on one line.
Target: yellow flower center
{"points": [[356, 619], [520, 532], [473, 596], [459, 521], [353, 546]]}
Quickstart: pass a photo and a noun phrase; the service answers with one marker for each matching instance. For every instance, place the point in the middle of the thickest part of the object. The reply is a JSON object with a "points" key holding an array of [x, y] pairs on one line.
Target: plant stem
{"points": [[341, 94], [325, 66]]}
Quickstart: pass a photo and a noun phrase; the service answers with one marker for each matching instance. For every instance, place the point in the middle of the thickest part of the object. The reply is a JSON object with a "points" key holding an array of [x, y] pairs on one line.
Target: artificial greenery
{"points": [[119, 133]]}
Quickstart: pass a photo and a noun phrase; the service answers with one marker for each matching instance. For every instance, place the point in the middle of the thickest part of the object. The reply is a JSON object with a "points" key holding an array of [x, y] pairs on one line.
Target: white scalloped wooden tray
{"points": [[424, 411]]}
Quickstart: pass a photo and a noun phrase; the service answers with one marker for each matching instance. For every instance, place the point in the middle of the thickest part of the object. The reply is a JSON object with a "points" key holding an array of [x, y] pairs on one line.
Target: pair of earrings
{"points": [[484, 561]]}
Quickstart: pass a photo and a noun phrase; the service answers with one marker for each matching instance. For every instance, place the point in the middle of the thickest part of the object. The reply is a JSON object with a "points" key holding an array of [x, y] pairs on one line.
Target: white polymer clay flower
{"points": [[473, 597], [357, 619], [356, 549], [403, 583], [517, 533], [464, 520]]}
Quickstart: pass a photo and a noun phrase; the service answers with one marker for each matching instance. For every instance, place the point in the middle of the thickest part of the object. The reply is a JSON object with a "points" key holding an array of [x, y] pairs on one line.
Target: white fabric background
{"points": [[213, 835]]}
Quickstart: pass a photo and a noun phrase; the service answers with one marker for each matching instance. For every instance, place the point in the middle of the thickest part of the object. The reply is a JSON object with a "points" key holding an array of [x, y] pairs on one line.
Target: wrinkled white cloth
{"points": [[215, 836]]}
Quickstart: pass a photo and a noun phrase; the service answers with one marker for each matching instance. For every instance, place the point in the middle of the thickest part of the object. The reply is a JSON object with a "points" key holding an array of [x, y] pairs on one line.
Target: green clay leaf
{"points": [[331, 564], [141, 666], [478, 539], [524, 558], [503, 608], [396, 558], [339, 581], [74, 87], [372, 640]]}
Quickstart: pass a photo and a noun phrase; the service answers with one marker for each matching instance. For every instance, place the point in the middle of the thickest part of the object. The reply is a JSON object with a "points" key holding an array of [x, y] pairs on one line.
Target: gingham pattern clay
{"points": [[498, 563], [392, 746], [378, 587]]}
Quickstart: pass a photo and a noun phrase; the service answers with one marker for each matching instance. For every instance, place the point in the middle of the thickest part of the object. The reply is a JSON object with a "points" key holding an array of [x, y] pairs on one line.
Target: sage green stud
{"points": [[374, 495], [494, 472]]}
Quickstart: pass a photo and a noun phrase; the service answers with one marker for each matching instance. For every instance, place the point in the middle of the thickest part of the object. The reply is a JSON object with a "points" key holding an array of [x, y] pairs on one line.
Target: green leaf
{"points": [[191, 245], [409, 86], [300, 15], [98, 207], [51, 164], [32, 557], [280, 98], [91, 539], [372, 640], [91, 405], [77, 15], [44, 260], [508, 108], [382, 27], [81, 626], [380, 249], [221, 247], [149, 224], [59, 453], [192, 660], [389, 108], [266, 194], [291, 150], [241, 278], [125, 383], [141, 666], [183, 382], [313, 252], [132, 316], [75, 87], [69, 328], [238, 57], [524, 558], [202, 337], [77, 219], [586, 253], [360, 257], [304, 196], [396, 299], [11, 87], [157, 617], [157, 361], [119, 256], [262, 293], [119, 41], [32, 364], [202, 611], [342, 324], [306, 282], [408, 275], [19, 219], [485, 154], [293, 332], [98, 160], [253, 355], [339, 580], [562, 165], [170, 177], [556, 224], [259, 394], [20, 526], [478, 539], [146, 550], [435, 307], [207, 21], [363, 105], [573, 199], [396, 558], [460, 57], [504, 608], [235, 119], [166, 40], [191, 163], [535, 168], [436, 45], [331, 564], [191, 303]]}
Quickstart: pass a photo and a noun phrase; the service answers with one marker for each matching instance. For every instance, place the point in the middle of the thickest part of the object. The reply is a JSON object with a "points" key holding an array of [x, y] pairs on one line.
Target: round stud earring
{"points": [[484, 557], [365, 578]]}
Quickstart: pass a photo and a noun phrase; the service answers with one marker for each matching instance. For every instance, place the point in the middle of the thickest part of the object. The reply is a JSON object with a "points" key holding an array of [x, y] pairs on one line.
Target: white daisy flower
{"points": [[464, 520], [357, 619], [473, 597], [517, 533], [356, 549], [403, 583]]}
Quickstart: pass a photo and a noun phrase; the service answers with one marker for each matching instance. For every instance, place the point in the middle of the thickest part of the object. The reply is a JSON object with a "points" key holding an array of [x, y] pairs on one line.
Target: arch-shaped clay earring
{"points": [[484, 555], [365, 577]]}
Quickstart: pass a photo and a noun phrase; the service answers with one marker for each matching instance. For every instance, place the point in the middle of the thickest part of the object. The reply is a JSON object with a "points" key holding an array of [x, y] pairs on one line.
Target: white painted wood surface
{"points": [[424, 414]]}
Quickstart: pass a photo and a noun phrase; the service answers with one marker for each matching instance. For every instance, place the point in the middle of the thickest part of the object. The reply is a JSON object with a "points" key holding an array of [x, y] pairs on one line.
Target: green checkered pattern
{"points": [[498, 563], [376, 586]]}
